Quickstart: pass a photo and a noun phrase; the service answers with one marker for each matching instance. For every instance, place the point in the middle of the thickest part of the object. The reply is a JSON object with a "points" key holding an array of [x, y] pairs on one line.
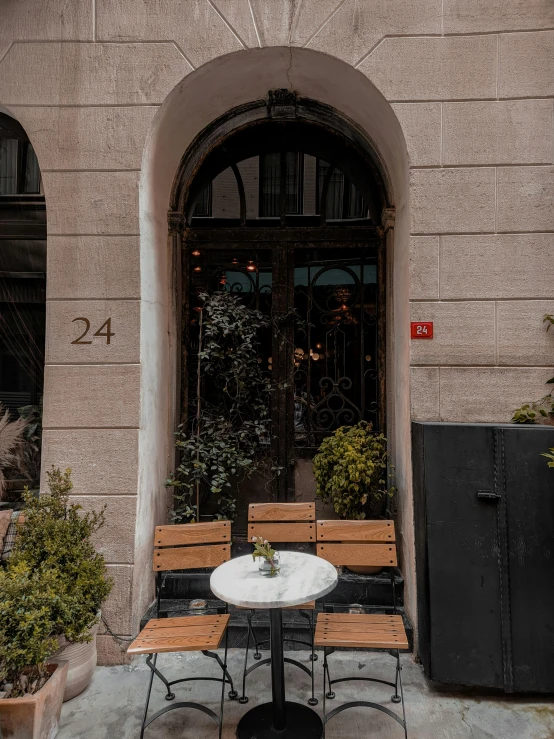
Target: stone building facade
{"points": [[454, 96]]}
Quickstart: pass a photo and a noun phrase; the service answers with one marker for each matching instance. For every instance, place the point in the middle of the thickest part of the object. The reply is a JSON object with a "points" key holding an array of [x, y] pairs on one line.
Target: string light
{"points": [[196, 253]]}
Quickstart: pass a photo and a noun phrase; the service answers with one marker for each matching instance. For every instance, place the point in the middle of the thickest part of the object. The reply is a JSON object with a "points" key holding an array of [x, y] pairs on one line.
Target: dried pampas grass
{"points": [[11, 441]]}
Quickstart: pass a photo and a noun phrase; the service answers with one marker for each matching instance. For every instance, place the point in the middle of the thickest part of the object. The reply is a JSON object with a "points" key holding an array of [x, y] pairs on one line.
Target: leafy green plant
{"points": [[56, 539], [228, 436], [263, 549], [540, 410], [28, 600], [550, 456], [351, 471]]}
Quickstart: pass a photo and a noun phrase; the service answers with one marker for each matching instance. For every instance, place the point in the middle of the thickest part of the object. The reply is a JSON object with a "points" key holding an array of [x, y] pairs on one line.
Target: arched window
{"points": [[22, 283]]}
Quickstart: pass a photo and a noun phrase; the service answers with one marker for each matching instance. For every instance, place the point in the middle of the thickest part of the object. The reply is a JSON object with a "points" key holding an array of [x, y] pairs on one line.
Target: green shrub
{"points": [[28, 600], [351, 471], [56, 538], [550, 456]]}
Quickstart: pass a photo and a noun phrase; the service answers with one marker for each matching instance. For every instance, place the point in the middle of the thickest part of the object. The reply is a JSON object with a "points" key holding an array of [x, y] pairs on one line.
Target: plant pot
{"points": [[81, 659], [364, 570], [35, 716]]}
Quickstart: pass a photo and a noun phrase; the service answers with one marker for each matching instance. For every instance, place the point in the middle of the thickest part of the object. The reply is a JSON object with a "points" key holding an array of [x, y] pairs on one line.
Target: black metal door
{"points": [[484, 533]]}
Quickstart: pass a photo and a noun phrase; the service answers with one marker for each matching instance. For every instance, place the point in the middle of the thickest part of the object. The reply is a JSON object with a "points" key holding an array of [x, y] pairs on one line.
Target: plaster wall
{"points": [[457, 98]]}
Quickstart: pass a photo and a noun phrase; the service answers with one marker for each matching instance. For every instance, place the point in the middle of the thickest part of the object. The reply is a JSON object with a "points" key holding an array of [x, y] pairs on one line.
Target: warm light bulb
{"points": [[196, 253], [198, 269]]}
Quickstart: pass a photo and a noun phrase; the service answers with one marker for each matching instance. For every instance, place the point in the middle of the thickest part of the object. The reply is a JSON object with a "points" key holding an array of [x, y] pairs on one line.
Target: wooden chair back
{"points": [[362, 543], [282, 522], [191, 545]]}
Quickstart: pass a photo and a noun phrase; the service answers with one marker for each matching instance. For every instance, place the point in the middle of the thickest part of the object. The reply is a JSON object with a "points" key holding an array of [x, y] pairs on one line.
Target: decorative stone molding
{"points": [[281, 104], [387, 219], [175, 221]]}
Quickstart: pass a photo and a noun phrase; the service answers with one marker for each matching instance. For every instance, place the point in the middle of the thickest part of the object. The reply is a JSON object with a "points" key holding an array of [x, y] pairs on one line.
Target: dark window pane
{"points": [[203, 207], [344, 200], [32, 171], [8, 166], [270, 184]]}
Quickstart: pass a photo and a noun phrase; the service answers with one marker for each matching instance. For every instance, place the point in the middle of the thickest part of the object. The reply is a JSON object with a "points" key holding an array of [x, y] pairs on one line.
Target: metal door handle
{"points": [[488, 495]]}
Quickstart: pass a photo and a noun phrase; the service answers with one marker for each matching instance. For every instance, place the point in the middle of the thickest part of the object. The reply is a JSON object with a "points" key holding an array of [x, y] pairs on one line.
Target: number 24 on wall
{"points": [[108, 333]]}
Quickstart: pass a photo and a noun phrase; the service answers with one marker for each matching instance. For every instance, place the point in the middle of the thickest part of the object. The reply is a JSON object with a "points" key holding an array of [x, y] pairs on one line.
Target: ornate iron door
{"points": [[325, 353]]}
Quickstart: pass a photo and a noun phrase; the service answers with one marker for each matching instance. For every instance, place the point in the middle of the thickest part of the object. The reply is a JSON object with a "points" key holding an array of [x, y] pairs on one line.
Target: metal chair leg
{"points": [[396, 698], [152, 665], [244, 698], [257, 654], [143, 726], [402, 698], [313, 700], [330, 694], [324, 688], [223, 683]]}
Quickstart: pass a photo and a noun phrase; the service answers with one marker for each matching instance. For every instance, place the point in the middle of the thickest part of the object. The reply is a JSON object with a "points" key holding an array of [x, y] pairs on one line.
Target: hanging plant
{"points": [[228, 437]]}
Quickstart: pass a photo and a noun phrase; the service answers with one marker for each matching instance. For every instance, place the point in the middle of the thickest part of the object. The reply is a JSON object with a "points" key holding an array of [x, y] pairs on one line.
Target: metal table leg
{"points": [[280, 719]]}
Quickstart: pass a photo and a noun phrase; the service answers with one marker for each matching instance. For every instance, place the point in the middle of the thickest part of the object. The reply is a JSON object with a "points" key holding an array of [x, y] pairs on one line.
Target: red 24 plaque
{"points": [[422, 329]]}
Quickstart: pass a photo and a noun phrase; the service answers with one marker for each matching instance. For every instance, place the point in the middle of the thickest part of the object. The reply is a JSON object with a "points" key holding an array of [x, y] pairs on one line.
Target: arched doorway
{"points": [[280, 203]]}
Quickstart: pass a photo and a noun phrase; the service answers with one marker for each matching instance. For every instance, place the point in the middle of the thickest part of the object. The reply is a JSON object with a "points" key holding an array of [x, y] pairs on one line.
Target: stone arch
{"points": [[203, 96]]}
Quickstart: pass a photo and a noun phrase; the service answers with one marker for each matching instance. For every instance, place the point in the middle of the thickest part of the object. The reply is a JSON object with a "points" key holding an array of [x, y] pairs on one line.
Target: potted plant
{"points": [[31, 688], [350, 471], [269, 564], [56, 537]]}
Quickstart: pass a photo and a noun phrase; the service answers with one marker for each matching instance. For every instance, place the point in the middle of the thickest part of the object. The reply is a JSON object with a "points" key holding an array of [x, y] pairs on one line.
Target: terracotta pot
{"points": [[35, 716], [81, 659]]}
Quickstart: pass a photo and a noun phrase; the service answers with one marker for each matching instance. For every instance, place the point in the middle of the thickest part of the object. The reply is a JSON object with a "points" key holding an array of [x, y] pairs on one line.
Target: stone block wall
{"points": [[472, 84]]}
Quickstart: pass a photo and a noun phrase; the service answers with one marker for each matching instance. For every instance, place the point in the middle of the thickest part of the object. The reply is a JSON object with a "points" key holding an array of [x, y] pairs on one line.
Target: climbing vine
{"points": [[227, 437]]}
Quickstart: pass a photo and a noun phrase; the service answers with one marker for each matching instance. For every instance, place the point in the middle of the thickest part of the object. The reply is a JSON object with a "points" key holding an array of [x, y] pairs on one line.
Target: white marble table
{"points": [[302, 578]]}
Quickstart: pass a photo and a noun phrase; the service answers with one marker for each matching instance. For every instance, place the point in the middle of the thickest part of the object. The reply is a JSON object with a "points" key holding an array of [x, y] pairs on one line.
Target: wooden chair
{"points": [[185, 547], [282, 523], [367, 543]]}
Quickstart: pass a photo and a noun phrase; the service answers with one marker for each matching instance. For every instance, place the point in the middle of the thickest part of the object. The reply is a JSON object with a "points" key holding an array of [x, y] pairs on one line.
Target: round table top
{"points": [[302, 578]]}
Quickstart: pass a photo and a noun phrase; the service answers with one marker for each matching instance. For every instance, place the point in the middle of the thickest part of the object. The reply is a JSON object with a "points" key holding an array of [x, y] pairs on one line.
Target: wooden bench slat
{"points": [[281, 512], [187, 558], [181, 638], [283, 532], [371, 555], [192, 533], [367, 631], [168, 623], [358, 642], [366, 531]]}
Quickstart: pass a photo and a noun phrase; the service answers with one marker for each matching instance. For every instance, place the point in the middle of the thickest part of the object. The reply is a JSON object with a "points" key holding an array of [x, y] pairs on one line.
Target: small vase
{"points": [[269, 569]]}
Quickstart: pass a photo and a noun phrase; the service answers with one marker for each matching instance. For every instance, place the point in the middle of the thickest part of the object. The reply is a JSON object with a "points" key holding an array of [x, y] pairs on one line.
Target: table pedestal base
{"points": [[302, 723]]}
